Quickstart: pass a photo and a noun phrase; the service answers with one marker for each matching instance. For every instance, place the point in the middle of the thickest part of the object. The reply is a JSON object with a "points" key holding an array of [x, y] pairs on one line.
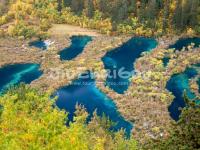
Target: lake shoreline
{"points": [[146, 122]]}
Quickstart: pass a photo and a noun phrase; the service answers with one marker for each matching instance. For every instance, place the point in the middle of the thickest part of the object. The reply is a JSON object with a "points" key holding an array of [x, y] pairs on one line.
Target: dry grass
{"points": [[64, 29]]}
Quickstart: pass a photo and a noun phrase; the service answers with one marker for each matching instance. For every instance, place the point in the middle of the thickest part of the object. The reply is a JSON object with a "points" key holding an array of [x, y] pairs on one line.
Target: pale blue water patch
{"points": [[177, 85], [14, 74], [119, 62], [84, 91], [76, 48]]}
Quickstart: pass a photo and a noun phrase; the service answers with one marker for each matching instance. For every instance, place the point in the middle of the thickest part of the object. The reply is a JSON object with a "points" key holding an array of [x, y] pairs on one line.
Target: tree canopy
{"points": [[30, 120], [137, 17]]}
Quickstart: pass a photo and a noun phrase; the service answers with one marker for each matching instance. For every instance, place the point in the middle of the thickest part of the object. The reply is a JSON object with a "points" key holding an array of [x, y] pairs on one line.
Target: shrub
{"points": [[30, 120], [21, 29], [45, 25]]}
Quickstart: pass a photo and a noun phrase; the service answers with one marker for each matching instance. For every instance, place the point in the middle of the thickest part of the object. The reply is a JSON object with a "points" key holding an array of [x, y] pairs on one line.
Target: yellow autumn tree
{"points": [[30, 120]]}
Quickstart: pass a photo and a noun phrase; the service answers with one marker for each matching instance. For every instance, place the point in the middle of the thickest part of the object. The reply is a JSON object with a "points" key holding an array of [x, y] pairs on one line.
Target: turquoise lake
{"points": [[39, 44], [84, 91], [177, 85], [76, 48], [120, 61], [14, 74]]}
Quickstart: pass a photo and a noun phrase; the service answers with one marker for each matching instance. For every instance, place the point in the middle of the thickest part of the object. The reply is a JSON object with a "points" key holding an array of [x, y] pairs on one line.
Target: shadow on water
{"points": [[76, 48], [84, 92], [122, 59], [14, 74]]}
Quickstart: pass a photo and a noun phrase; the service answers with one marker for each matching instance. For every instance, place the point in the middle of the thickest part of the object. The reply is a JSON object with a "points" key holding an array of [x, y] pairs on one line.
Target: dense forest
{"points": [[137, 17], [160, 15], [28, 121], [25, 124]]}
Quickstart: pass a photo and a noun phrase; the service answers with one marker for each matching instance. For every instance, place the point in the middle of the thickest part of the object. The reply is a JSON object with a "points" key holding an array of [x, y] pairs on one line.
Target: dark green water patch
{"points": [[166, 61], [198, 82]]}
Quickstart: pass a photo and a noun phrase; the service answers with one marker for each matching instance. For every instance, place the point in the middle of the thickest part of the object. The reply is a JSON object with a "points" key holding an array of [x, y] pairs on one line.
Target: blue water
{"points": [[166, 61], [177, 85], [122, 59], [39, 44], [14, 74], [198, 82], [185, 42], [84, 91], [76, 48], [180, 44]]}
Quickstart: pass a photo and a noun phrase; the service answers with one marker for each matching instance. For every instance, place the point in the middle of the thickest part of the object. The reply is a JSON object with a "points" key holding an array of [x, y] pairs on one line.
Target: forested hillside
{"points": [[28, 121], [3, 6], [159, 15], [137, 17]]}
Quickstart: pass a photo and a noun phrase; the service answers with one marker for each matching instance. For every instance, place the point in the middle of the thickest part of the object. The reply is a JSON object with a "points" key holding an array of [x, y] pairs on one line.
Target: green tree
{"points": [[102, 6], [77, 6], [89, 7], [29, 119], [21, 29], [133, 7], [121, 10], [184, 134], [166, 13]]}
